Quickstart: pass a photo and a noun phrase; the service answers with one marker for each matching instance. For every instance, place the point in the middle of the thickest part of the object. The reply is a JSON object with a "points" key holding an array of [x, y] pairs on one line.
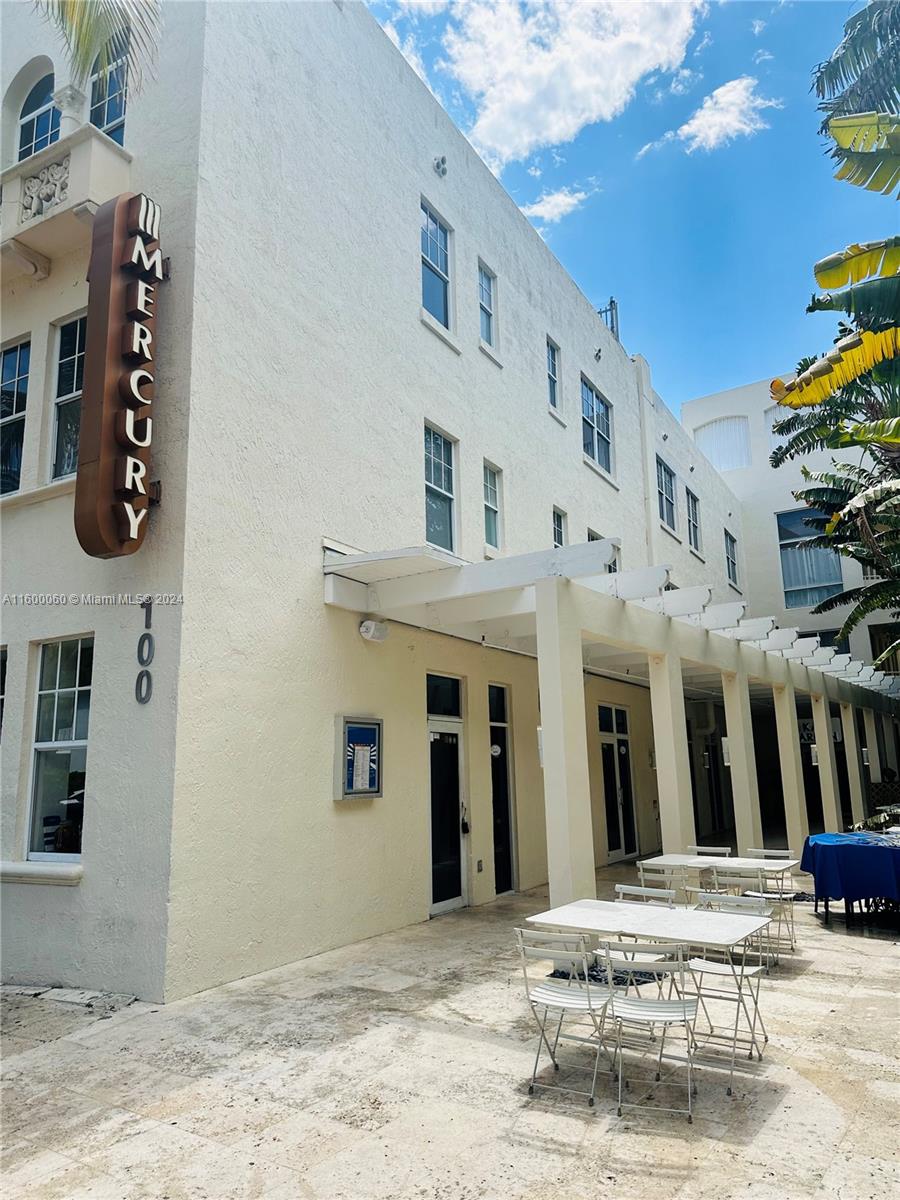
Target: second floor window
{"points": [[810, 573], [438, 489], [491, 506], [16, 362], [109, 94], [613, 565], [552, 374], [596, 426], [435, 267], [731, 557], [693, 520], [69, 379], [486, 288], [559, 528], [665, 490], [39, 119]]}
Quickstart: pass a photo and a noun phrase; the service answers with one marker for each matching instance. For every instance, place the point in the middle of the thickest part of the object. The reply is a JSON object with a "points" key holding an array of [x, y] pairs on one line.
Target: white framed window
{"points": [[487, 297], [810, 574], [665, 490], [731, 557], [692, 510], [65, 673], [552, 374], [109, 92], [439, 497], [16, 364], [613, 565], [38, 119], [559, 528], [596, 426], [67, 405], [725, 442], [491, 506], [435, 238]]}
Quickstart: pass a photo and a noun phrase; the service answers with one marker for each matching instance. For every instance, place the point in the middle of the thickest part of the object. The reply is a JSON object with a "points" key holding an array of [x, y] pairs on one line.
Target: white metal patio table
{"points": [[700, 862]]}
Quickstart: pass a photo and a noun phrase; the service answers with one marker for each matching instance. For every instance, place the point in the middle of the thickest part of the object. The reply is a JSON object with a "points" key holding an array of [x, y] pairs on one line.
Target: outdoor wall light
{"points": [[726, 752], [865, 756], [814, 754], [373, 631]]}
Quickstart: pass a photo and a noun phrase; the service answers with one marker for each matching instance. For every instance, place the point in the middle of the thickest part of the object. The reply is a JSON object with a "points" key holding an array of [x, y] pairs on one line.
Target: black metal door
{"points": [[503, 874], [446, 854]]}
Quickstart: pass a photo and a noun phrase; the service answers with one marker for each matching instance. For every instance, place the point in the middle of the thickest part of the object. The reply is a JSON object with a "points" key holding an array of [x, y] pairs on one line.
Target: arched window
{"points": [[725, 442], [109, 92], [39, 119]]}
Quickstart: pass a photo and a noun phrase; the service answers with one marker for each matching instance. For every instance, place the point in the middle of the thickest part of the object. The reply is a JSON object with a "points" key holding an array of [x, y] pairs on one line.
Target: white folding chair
{"points": [[647, 895], [716, 851], [670, 878], [779, 892], [737, 883], [634, 1016], [574, 1000]]}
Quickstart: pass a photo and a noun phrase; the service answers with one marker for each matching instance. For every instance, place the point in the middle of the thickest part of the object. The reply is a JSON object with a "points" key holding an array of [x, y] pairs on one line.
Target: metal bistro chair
{"points": [[748, 883], [692, 890], [670, 878], [715, 851], [664, 897], [637, 1018], [574, 999], [780, 888], [745, 978]]}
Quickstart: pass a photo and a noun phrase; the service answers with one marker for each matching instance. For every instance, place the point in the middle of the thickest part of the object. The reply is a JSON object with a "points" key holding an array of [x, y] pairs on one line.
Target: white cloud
{"points": [[683, 80], [758, 27], [427, 8], [553, 206], [762, 56], [410, 51], [535, 171], [705, 42], [732, 110], [540, 71]]}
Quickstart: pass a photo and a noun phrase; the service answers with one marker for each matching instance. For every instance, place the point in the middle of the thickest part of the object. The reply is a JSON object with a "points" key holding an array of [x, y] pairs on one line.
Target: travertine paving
{"points": [[398, 1067]]}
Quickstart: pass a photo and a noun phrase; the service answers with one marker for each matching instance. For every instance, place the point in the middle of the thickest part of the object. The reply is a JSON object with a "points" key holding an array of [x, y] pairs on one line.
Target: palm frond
{"points": [[105, 31], [862, 260], [872, 299], [868, 34], [851, 357]]}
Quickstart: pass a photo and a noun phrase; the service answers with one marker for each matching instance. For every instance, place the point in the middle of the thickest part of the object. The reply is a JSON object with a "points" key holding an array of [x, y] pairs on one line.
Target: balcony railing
{"points": [[49, 200]]}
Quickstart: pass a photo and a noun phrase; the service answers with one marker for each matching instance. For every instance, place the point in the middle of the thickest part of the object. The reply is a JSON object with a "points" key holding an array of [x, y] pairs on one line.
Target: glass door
{"points": [[618, 788]]}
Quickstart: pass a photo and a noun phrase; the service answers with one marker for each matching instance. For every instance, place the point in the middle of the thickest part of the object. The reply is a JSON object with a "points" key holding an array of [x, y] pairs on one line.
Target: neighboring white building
{"points": [[379, 399]]}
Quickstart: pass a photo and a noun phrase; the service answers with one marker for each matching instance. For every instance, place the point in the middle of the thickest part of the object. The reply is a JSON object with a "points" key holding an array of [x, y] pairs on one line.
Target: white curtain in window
{"points": [[725, 442]]}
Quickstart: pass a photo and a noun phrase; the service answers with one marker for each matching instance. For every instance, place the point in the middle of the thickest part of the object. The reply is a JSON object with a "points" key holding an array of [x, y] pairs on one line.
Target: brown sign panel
{"points": [[112, 486]]}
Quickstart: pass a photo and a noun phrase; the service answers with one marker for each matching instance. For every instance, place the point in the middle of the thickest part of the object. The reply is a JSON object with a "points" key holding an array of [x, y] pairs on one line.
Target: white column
{"points": [[744, 787], [872, 746], [71, 104], [792, 785], [567, 791], [831, 802], [673, 768], [854, 763]]}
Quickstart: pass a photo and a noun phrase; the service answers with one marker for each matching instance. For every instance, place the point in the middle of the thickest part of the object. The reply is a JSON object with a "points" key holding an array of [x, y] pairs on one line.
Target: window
{"points": [[69, 378], [559, 528], [665, 488], [435, 267], [810, 574], [613, 565], [2, 684], [109, 92], [693, 519], [730, 557], [60, 746], [443, 696], [491, 506], [13, 396], [39, 119], [595, 426], [552, 374], [438, 489], [486, 283], [829, 637], [725, 442]]}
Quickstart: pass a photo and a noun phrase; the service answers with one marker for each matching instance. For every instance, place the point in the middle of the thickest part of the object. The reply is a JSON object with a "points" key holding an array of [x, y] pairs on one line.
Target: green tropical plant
{"points": [[105, 32]]}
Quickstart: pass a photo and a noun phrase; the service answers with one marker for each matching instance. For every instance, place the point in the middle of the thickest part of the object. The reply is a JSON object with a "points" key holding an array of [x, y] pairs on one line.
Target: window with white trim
{"points": [[810, 573], [487, 286], [38, 119], [596, 426], [613, 565], [109, 91], [731, 567], [559, 528], [60, 747], [438, 489], [552, 373], [665, 491], [67, 406], [16, 362], [692, 510], [491, 506], [435, 239]]}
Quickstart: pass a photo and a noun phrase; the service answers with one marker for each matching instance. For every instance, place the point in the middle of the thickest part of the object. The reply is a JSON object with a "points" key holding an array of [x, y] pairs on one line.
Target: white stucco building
{"points": [[379, 397]]}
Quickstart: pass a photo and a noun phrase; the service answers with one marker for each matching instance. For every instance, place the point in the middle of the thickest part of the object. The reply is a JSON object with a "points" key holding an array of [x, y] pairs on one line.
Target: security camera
{"points": [[373, 631]]}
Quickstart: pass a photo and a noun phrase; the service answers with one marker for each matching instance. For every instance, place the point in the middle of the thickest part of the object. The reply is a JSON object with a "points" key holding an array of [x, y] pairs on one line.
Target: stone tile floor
{"points": [[398, 1068]]}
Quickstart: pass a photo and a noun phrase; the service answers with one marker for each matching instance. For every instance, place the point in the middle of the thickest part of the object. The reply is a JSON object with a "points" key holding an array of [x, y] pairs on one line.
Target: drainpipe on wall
{"points": [[642, 374]]}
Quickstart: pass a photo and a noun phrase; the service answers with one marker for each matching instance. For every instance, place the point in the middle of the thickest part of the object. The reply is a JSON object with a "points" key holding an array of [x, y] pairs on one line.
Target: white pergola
{"points": [[563, 607]]}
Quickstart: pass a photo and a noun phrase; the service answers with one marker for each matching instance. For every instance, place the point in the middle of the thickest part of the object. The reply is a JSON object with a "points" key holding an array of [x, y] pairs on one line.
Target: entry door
{"points": [[447, 873], [500, 789], [618, 790]]}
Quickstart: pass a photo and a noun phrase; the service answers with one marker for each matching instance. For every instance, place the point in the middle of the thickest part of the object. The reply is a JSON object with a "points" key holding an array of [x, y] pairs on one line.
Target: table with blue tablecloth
{"points": [[853, 867]]}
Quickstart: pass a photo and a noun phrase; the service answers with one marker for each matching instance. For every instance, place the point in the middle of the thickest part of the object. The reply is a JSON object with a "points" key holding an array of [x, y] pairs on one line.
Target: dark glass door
{"points": [[503, 873], [611, 797], [446, 850], [628, 831]]}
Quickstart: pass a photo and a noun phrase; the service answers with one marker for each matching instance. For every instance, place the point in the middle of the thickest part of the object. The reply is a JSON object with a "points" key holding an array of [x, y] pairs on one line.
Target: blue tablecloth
{"points": [[853, 866]]}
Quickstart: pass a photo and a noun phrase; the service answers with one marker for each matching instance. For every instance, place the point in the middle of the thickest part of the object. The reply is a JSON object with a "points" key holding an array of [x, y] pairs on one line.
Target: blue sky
{"points": [[669, 154]]}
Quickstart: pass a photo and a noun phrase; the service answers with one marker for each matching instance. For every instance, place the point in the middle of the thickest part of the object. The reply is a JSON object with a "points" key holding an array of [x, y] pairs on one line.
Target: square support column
{"points": [[792, 785], [673, 767], [872, 746], [744, 786], [831, 799], [854, 763], [567, 789]]}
